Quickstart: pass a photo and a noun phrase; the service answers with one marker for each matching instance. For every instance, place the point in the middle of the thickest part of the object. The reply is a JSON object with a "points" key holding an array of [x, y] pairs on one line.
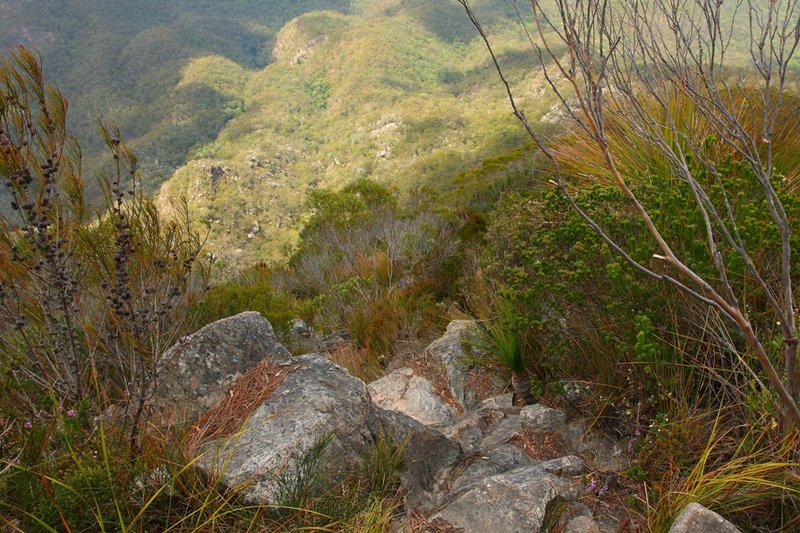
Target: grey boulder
{"points": [[517, 501], [413, 395], [696, 519], [582, 524], [492, 462], [428, 456], [318, 400], [537, 417], [603, 452], [480, 430], [200, 367], [449, 349]]}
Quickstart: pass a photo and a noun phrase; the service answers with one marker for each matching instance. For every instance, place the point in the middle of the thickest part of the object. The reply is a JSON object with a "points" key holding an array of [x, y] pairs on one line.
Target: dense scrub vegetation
{"points": [[665, 372]]}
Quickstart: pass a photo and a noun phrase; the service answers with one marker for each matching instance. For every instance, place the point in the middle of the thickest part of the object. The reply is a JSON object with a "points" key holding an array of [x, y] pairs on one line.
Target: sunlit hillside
{"points": [[123, 62], [398, 92]]}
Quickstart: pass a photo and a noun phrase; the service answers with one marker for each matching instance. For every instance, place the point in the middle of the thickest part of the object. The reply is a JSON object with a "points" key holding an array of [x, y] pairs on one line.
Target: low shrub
{"points": [[590, 316], [251, 290], [371, 269]]}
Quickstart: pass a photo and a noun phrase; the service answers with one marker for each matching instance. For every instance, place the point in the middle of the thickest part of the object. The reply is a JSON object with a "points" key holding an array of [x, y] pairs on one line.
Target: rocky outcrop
{"points": [[299, 329], [201, 367], [520, 500], [317, 401], [428, 456], [519, 472], [538, 417], [696, 518], [449, 349], [321, 402], [495, 467], [413, 395], [498, 460], [582, 524], [601, 451]]}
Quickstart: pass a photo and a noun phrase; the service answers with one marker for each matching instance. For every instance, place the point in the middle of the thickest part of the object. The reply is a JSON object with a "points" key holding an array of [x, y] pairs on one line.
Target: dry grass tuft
{"points": [[360, 362], [542, 446], [230, 414]]}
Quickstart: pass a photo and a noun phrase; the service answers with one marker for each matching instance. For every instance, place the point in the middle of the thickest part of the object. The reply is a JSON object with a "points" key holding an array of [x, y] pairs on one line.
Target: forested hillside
{"points": [[258, 107], [124, 62], [397, 92]]}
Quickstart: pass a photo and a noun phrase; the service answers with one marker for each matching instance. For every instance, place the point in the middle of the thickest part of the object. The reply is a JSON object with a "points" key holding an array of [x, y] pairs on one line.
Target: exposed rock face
{"points": [[695, 519], [320, 399], [504, 401], [582, 524], [537, 417], [299, 328], [201, 367], [317, 399], [449, 349], [470, 430], [602, 452], [480, 471], [427, 455], [519, 500], [413, 395], [507, 427], [498, 460], [485, 428]]}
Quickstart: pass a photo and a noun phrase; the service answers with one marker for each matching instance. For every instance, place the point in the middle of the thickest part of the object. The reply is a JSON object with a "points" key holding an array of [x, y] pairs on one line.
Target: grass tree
{"points": [[631, 64]]}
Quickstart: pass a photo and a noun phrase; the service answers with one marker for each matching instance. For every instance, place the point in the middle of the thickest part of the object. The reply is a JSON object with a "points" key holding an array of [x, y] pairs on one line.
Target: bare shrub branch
{"points": [[628, 65]]}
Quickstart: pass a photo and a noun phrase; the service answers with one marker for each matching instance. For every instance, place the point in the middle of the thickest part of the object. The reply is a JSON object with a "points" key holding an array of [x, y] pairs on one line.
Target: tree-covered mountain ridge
{"points": [[397, 92], [122, 62]]}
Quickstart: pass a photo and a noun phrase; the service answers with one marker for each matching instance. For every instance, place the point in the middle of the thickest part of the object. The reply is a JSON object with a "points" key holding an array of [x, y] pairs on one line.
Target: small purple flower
{"points": [[602, 491], [71, 413], [27, 424], [15, 461], [634, 439], [592, 485]]}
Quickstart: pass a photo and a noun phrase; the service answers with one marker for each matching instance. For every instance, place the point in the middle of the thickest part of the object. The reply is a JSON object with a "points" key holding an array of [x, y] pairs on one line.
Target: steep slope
{"points": [[399, 92]]}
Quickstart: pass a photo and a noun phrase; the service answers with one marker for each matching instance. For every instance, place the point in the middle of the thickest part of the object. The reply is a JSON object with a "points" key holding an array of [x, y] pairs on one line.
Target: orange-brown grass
{"points": [[583, 160], [360, 362], [542, 446], [483, 379], [745, 473], [230, 414]]}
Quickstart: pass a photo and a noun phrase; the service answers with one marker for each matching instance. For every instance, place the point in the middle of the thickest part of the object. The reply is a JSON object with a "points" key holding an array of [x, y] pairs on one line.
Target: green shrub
{"points": [[589, 314], [250, 290], [372, 269]]}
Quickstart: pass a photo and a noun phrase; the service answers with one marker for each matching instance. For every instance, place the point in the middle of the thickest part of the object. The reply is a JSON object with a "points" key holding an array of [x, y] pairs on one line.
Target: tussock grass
{"points": [[745, 474]]}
